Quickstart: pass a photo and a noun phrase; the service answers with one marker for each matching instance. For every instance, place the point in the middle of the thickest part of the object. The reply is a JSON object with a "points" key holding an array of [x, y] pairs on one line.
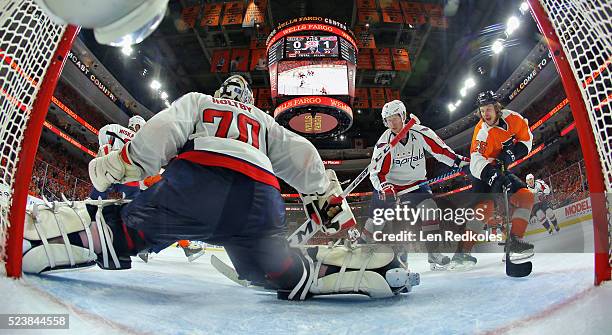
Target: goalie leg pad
{"points": [[45, 222], [363, 270]]}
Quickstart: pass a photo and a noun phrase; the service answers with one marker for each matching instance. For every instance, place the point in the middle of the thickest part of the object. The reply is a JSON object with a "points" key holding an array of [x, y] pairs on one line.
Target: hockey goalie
{"points": [[223, 157]]}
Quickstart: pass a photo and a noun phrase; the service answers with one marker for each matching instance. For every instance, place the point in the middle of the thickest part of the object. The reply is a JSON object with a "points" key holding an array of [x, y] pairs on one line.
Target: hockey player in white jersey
{"points": [[404, 168], [113, 137], [542, 212], [223, 157]]}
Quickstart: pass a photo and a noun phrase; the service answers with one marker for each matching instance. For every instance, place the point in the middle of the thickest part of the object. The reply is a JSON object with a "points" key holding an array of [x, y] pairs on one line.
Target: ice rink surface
{"points": [[168, 295]]}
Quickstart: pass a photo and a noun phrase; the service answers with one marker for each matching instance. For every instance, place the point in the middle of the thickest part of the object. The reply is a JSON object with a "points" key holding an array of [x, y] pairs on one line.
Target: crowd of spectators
{"points": [[75, 132], [56, 172], [73, 100]]}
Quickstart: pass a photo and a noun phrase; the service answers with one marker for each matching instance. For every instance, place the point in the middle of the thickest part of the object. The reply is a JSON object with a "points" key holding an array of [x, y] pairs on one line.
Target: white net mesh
{"points": [[28, 39], [584, 28]]}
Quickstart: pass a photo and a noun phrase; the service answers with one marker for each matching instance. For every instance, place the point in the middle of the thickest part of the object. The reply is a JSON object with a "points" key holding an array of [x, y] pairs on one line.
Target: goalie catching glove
{"points": [[114, 168], [329, 210]]}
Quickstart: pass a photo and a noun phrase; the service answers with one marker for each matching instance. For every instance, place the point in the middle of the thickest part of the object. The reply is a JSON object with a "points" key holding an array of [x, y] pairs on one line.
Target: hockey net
{"points": [[28, 44], [583, 28]]}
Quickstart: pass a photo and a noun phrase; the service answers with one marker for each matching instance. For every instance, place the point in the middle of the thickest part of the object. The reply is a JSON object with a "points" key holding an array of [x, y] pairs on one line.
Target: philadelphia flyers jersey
{"points": [[487, 141]]}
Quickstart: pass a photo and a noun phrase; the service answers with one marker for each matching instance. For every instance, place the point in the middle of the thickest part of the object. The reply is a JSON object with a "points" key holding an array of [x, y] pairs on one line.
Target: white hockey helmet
{"points": [[235, 88], [529, 177], [392, 108], [136, 120]]}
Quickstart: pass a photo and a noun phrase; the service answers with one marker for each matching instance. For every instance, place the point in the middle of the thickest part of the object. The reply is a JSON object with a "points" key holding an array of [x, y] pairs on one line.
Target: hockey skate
{"points": [[556, 225], [519, 249], [462, 262], [193, 251], [144, 256], [548, 227], [402, 280], [437, 261]]}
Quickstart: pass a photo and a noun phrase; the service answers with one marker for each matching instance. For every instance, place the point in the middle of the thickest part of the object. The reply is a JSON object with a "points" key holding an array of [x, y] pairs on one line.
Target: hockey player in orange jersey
{"points": [[500, 138]]}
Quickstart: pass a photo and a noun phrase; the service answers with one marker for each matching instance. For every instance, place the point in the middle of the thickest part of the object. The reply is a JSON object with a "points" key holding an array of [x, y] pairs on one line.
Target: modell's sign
{"points": [[574, 210], [92, 77]]}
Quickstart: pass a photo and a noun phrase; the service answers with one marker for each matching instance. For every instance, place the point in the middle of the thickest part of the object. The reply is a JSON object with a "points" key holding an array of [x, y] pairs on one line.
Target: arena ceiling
{"points": [[180, 56]]}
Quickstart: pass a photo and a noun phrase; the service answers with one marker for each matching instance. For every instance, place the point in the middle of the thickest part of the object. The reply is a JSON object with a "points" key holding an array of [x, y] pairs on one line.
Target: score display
{"points": [[311, 46]]}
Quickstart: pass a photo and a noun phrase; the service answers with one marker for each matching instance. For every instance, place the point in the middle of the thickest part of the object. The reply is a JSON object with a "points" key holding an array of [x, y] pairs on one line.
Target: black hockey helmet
{"points": [[486, 98]]}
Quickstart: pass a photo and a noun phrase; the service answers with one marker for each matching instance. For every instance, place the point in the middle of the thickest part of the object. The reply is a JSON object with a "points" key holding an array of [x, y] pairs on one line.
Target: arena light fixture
{"points": [[524, 8], [469, 83], [512, 25], [156, 85], [451, 107], [127, 50], [166, 103], [463, 91], [342, 137], [164, 95], [458, 102], [497, 46]]}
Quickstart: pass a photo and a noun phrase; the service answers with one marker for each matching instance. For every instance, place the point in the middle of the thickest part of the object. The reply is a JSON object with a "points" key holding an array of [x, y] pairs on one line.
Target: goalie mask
{"points": [[136, 122], [235, 88], [392, 108]]}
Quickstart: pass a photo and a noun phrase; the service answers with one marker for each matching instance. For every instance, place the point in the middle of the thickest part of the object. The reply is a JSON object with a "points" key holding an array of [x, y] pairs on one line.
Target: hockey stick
{"points": [[513, 269], [430, 181], [231, 274], [309, 228]]}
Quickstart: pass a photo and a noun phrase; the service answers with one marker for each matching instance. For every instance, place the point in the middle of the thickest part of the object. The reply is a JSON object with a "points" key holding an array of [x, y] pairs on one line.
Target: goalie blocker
{"points": [[61, 236]]}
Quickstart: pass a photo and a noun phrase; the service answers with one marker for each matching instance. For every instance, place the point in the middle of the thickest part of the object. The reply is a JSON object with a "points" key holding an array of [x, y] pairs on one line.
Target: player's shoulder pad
{"points": [[482, 131], [420, 127], [384, 139], [510, 114]]}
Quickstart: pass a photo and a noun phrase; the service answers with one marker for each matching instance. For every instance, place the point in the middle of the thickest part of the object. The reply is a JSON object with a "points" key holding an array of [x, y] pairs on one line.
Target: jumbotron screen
{"points": [[313, 79], [311, 46]]}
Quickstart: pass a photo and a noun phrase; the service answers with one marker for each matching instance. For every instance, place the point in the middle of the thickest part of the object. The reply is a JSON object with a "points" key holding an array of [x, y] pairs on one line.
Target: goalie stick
{"points": [[309, 228], [231, 274]]}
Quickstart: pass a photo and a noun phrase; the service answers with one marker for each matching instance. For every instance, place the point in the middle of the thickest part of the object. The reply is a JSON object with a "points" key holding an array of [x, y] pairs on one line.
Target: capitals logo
{"points": [[409, 160]]}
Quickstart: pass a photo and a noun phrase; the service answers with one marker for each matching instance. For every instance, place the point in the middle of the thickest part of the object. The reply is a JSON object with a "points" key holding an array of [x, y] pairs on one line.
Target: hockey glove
{"points": [[329, 210], [495, 178], [387, 191], [461, 162], [512, 152], [114, 168]]}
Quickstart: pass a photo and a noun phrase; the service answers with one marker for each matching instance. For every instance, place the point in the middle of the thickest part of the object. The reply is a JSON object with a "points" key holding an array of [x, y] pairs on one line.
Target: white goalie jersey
{"points": [[405, 165], [230, 134]]}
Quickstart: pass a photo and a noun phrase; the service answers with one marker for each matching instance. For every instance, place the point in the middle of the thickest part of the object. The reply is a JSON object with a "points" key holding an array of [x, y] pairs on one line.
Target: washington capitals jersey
{"points": [[229, 134], [539, 188], [115, 135], [405, 164]]}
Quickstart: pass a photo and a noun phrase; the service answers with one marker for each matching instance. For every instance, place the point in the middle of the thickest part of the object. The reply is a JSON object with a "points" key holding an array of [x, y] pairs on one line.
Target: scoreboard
{"points": [[311, 46], [312, 67]]}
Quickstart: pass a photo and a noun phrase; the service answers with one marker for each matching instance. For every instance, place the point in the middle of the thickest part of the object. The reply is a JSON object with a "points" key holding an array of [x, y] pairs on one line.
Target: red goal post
{"points": [[579, 36], [32, 54]]}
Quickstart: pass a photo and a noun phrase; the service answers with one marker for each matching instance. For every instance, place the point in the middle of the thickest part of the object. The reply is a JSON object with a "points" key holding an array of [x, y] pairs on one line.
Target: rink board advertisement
{"points": [[578, 209]]}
